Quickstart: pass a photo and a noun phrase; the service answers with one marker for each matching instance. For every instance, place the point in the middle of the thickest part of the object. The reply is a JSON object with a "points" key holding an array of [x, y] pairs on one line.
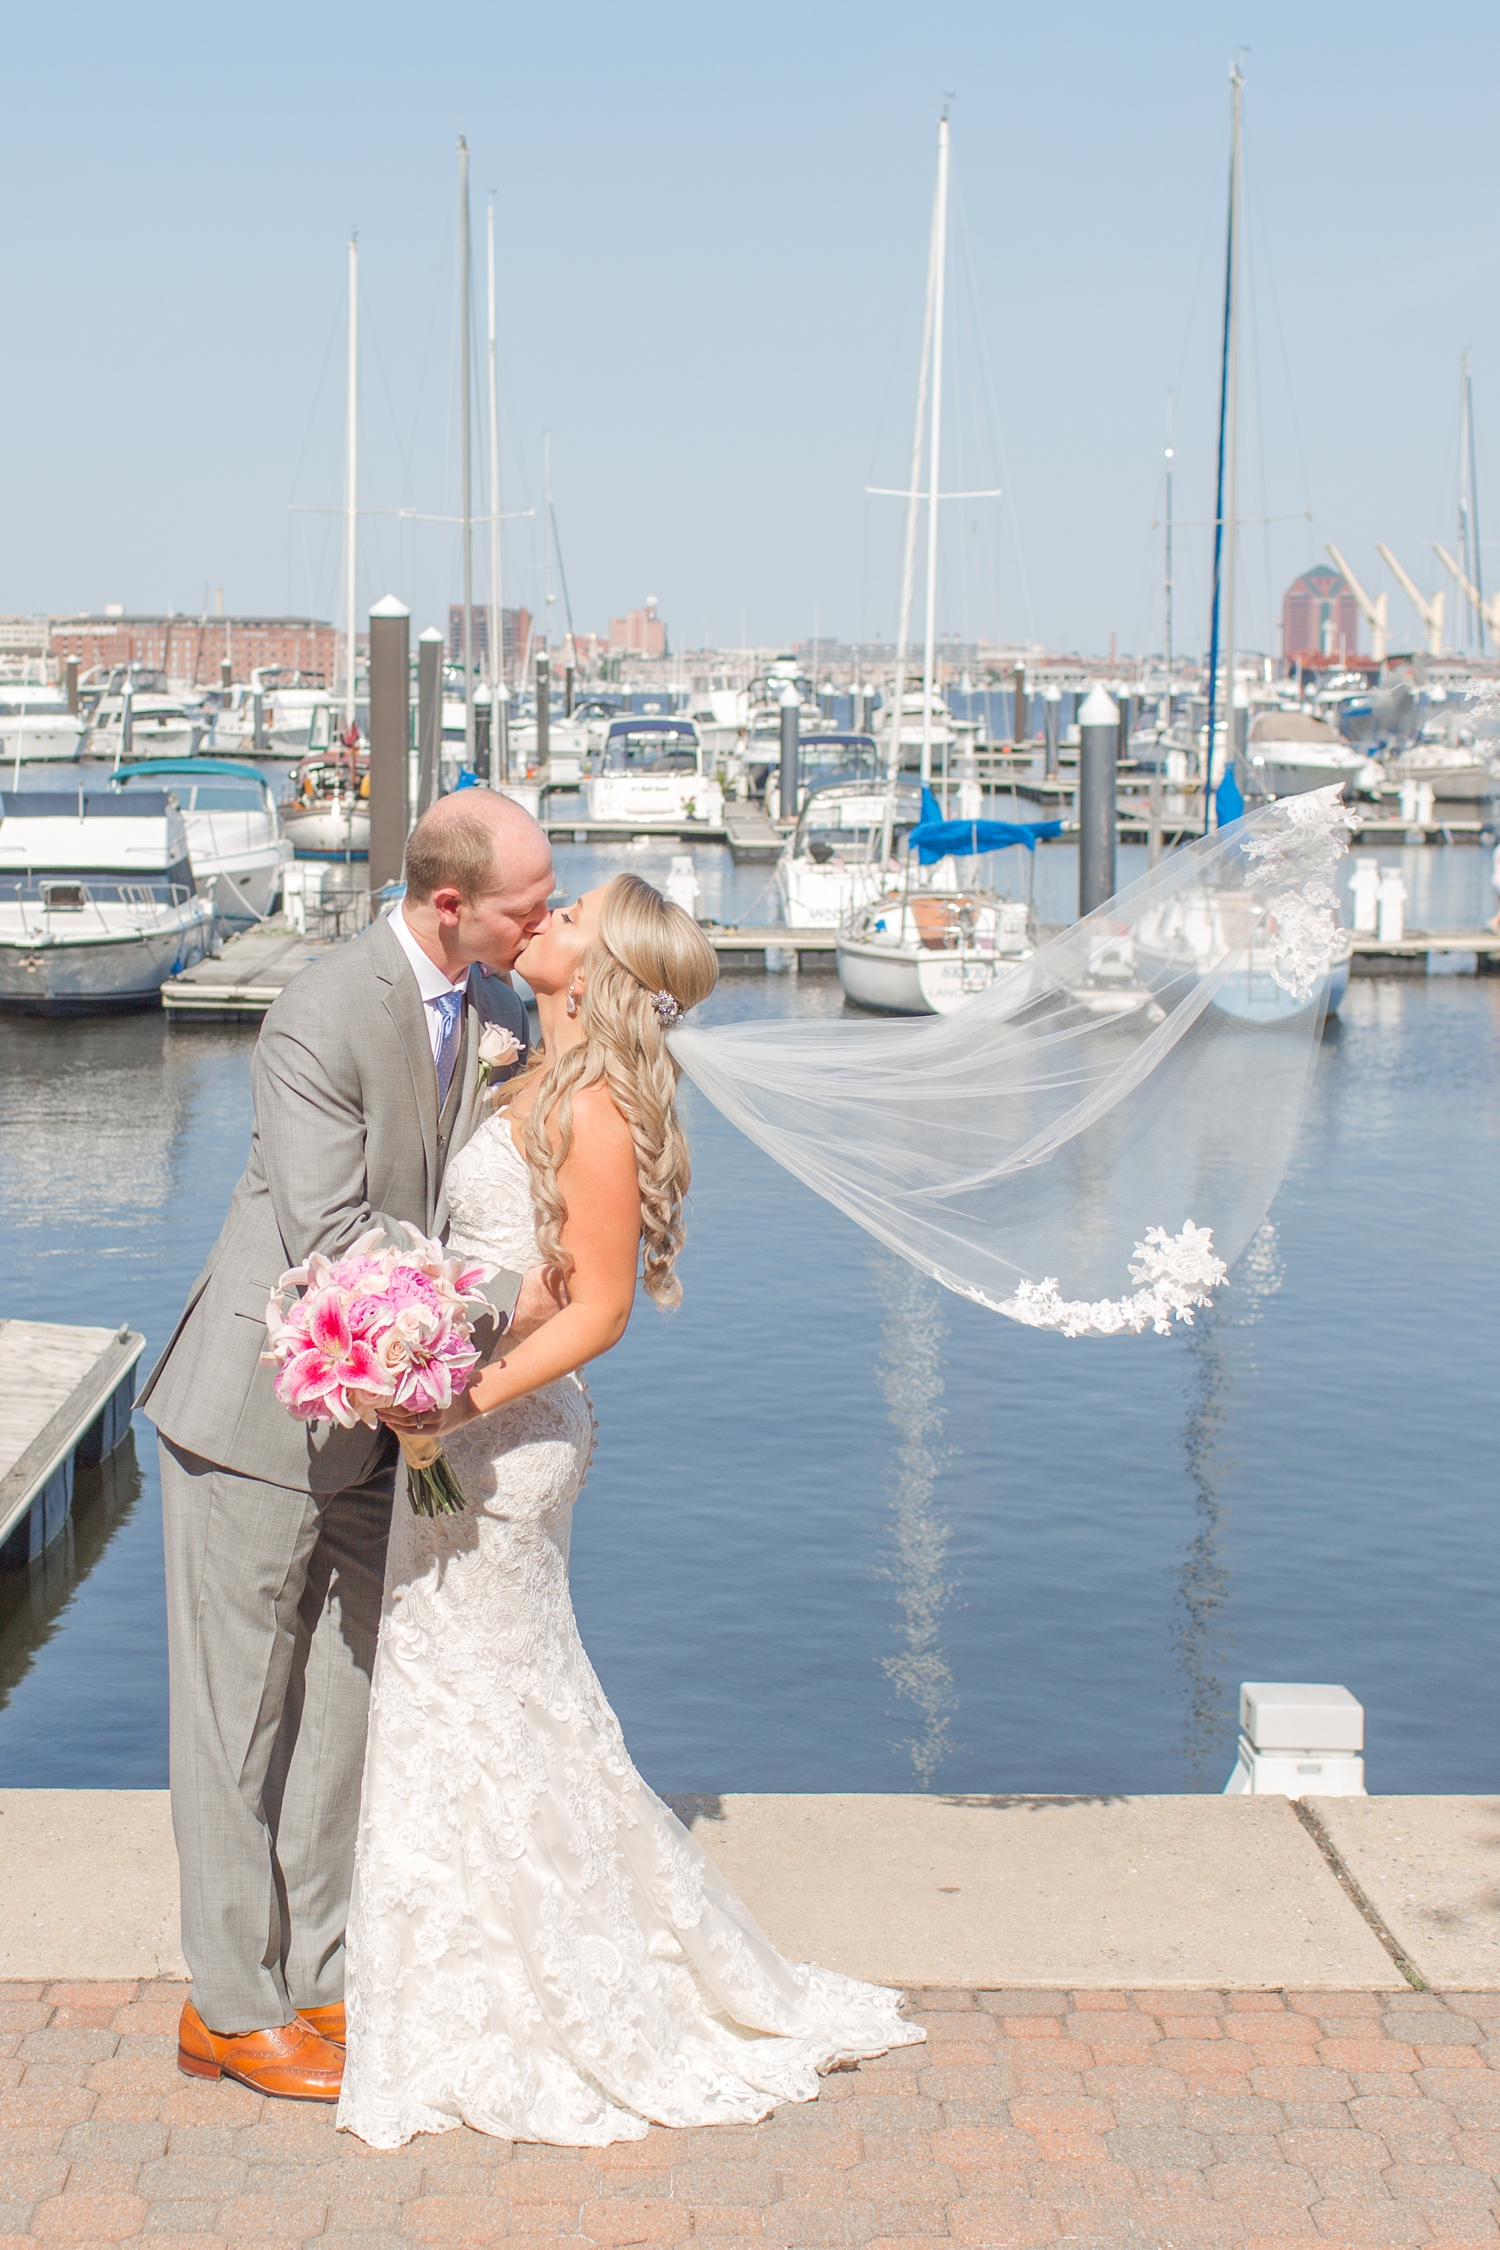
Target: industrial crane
{"points": [[1487, 611], [1430, 611], [1374, 613]]}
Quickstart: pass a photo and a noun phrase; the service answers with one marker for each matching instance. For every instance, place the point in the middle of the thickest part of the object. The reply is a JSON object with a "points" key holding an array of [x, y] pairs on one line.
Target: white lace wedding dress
{"points": [[537, 1947]]}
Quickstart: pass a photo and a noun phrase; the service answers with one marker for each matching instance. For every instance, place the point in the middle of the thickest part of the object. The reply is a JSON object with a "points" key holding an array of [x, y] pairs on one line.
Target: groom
{"points": [[366, 1085]]}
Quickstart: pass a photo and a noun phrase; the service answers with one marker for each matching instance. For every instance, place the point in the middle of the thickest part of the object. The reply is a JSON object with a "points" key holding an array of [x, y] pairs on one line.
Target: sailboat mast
{"points": [[1167, 700], [1224, 486], [468, 498], [498, 745], [351, 486], [909, 560], [940, 243], [547, 542], [1231, 522]]}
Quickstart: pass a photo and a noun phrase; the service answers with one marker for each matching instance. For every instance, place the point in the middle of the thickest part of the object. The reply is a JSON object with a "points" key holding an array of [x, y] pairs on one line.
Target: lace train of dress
{"points": [[537, 1947]]}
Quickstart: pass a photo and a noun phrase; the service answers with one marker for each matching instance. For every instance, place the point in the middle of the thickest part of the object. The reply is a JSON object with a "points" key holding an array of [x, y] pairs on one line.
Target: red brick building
{"points": [[1319, 616], [640, 633], [192, 648]]}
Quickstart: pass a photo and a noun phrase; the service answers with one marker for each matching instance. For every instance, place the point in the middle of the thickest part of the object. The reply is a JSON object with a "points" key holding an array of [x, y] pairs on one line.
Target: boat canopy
{"points": [[216, 784], [933, 840], [83, 804], [93, 832], [651, 745]]}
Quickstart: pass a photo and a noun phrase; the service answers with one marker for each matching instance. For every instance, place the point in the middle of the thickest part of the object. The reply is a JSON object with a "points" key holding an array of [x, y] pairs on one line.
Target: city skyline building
{"points": [[1319, 616]]}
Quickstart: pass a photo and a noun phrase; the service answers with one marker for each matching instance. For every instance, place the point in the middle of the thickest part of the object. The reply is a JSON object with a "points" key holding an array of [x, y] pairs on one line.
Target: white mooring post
{"points": [[1366, 891], [1298, 1740], [1391, 921]]}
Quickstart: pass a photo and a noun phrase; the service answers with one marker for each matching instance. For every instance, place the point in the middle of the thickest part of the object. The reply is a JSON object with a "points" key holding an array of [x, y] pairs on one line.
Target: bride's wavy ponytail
{"points": [[646, 947]]}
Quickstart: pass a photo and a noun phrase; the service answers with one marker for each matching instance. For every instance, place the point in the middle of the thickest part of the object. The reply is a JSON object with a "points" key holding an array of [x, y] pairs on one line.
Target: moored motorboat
{"points": [[833, 862], [234, 833], [136, 717], [1289, 752], [653, 768], [326, 810], [1194, 929], [97, 901], [36, 726]]}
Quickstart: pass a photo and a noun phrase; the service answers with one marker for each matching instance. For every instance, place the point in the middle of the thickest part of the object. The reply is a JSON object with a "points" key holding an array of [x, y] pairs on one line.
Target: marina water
{"points": [[848, 1532]]}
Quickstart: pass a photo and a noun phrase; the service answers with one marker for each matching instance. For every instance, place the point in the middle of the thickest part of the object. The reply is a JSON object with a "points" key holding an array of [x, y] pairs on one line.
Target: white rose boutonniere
{"points": [[499, 1050]]}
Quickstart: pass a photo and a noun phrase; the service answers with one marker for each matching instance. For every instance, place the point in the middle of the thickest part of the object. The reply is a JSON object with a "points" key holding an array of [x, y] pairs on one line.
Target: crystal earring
{"points": [[572, 1002]]}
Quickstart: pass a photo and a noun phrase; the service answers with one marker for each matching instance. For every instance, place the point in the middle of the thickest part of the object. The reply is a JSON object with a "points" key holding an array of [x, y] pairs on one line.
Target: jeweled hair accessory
{"points": [[668, 1010]]}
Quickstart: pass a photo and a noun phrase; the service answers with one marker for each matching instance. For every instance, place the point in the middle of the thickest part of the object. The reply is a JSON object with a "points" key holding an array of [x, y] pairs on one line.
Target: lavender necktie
{"points": [[449, 1006]]}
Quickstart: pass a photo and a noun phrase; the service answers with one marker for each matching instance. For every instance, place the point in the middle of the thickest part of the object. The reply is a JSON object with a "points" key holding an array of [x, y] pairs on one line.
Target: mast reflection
{"points": [[910, 1371], [1203, 1643]]}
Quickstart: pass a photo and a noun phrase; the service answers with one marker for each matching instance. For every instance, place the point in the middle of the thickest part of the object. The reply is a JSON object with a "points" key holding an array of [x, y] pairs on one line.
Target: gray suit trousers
{"points": [[273, 1606]]}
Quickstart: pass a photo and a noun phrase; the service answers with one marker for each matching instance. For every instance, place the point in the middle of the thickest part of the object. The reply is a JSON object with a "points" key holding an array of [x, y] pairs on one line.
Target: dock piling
{"points": [[390, 738], [1098, 739], [791, 703], [430, 716]]}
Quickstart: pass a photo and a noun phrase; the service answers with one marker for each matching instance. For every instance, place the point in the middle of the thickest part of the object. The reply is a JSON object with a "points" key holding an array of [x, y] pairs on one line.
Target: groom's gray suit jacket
{"points": [[347, 1136]]}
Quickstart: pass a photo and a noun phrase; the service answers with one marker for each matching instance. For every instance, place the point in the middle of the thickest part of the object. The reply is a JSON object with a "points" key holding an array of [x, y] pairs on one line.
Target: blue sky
{"points": [[713, 224]]}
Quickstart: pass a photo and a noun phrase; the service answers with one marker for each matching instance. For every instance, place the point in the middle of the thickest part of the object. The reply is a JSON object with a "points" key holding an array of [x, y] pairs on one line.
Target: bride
{"points": [[536, 1946]]}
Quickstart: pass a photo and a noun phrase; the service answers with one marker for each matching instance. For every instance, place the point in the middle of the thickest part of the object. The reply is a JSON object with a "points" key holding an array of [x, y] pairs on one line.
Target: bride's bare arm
{"points": [[603, 1234]]}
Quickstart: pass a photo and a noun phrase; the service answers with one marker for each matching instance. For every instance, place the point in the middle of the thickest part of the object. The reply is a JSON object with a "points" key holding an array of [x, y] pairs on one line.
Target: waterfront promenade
{"points": [[1176, 2021]]}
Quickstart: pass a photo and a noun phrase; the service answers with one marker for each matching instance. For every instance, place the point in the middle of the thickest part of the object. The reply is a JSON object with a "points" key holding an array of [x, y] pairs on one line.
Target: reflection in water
{"points": [[1202, 1643], [34, 1598], [911, 1375], [94, 1116]]}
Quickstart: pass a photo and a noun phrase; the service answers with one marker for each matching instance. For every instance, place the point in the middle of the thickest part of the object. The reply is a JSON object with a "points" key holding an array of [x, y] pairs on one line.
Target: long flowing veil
{"points": [[1091, 1143]]}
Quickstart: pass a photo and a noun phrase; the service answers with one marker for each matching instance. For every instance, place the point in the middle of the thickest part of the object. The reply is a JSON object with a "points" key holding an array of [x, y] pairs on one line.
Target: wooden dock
{"points": [[1414, 954], [243, 979], [65, 1400]]}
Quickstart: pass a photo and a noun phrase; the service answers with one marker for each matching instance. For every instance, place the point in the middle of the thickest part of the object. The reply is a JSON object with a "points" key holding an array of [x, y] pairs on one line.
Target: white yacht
{"points": [[1194, 929], [36, 725], [137, 717], [326, 809], [236, 843], [97, 901], [833, 862], [1289, 752], [653, 768], [291, 719]]}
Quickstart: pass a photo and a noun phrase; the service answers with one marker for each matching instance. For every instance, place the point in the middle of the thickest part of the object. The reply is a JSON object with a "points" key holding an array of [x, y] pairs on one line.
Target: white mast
{"points": [[940, 249], [1236, 199], [1166, 711], [351, 486], [496, 622], [547, 596], [468, 499], [909, 563]]}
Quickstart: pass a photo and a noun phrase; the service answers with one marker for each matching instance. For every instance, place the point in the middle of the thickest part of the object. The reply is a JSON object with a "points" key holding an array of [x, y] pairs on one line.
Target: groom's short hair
{"points": [[455, 843]]}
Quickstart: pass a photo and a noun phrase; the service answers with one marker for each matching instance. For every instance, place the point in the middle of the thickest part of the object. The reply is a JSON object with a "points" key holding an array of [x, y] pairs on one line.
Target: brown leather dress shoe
{"points": [[290, 2060], [327, 2022]]}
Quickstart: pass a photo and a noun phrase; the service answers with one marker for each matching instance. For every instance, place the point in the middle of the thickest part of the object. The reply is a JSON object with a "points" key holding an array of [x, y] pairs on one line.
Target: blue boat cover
{"points": [[965, 839]]}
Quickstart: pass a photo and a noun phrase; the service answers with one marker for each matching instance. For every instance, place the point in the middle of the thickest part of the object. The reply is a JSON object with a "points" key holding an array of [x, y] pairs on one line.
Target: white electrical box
{"points": [[1298, 1739]]}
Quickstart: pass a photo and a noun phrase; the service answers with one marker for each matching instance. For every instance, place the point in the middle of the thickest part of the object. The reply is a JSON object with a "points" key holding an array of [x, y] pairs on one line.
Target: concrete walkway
{"points": [[1229, 1893], [1183, 2120]]}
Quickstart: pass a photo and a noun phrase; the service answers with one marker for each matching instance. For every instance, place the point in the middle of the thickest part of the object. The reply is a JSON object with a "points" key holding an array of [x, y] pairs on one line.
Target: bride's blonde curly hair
{"points": [[646, 948]]}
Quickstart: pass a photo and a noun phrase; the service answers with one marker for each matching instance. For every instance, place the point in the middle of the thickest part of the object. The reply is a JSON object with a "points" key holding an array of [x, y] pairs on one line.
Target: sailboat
{"points": [[1194, 928], [924, 944]]}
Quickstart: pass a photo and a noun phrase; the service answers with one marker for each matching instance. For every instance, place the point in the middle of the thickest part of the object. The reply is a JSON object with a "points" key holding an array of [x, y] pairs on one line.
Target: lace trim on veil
{"points": [[1179, 1273]]}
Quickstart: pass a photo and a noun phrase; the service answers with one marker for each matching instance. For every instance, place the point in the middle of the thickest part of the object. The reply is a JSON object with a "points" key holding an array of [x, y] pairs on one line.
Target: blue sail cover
{"points": [[933, 840]]}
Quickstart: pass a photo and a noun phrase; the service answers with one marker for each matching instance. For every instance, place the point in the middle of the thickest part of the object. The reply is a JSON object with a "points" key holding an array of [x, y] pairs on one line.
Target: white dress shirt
{"points": [[431, 982]]}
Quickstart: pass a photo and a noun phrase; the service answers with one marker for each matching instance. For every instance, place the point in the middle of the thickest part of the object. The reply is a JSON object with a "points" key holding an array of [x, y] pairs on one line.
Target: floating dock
{"points": [[65, 1401]]}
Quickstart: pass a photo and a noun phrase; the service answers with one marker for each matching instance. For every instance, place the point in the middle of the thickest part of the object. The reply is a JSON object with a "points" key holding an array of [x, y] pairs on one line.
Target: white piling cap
{"points": [[1297, 1715], [390, 607], [431, 634], [789, 695], [1099, 709]]}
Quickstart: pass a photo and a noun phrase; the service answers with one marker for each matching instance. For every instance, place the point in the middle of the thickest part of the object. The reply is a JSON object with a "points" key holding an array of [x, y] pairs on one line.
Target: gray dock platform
{"points": [[65, 1400], [243, 979]]}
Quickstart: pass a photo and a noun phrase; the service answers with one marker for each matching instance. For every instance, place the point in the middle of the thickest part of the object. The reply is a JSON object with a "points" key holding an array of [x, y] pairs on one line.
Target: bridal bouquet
{"points": [[379, 1327]]}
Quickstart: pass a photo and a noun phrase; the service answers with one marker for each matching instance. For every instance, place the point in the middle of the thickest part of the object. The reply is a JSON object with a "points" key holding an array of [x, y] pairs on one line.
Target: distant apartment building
{"points": [[515, 637], [641, 633], [25, 636], [193, 648], [1319, 616]]}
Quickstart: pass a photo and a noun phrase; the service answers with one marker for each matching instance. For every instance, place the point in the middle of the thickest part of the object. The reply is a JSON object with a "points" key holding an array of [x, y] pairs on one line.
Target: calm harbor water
{"points": [[848, 1532]]}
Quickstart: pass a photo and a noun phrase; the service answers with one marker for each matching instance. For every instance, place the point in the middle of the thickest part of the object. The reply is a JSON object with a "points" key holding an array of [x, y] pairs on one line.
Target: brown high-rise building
{"points": [[1319, 616]]}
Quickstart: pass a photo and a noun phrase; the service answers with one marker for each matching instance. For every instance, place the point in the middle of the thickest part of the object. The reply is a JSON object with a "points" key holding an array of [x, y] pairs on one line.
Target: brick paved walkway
{"points": [[1176, 2120]]}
